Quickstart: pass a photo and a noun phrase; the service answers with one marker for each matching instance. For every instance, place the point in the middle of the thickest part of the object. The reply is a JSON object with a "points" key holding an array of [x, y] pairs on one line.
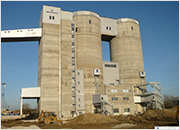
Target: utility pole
{"points": [[3, 95]]}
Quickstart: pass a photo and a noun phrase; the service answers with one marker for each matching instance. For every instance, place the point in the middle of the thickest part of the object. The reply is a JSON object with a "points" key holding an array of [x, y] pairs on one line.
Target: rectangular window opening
{"points": [[72, 36], [76, 29], [125, 98], [116, 110], [72, 43], [125, 90], [126, 109], [72, 24], [113, 90], [114, 98], [108, 65]]}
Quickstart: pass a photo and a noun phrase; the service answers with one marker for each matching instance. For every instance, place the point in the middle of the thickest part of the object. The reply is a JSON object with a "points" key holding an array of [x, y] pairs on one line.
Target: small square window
{"points": [[72, 36], [79, 91], [89, 21], [116, 110], [72, 43], [126, 109], [76, 29], [78, 82], [131, 27], [78, 73], [72, 24]]}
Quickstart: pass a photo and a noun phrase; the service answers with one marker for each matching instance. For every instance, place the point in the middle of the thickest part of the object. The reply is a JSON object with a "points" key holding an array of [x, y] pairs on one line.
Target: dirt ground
{"points": [[147, 120]]}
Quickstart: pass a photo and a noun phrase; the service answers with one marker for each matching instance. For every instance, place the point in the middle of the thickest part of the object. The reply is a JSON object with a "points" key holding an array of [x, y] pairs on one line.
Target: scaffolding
{"points": [[102, 105], [154, 97]]}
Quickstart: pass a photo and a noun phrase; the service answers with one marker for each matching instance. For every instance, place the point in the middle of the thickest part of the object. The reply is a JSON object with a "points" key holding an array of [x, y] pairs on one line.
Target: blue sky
{"points": [[159, 27]]}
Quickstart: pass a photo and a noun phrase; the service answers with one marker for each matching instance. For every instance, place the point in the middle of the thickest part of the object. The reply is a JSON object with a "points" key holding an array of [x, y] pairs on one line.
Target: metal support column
{"points": [[95, 84], [21, 106]]}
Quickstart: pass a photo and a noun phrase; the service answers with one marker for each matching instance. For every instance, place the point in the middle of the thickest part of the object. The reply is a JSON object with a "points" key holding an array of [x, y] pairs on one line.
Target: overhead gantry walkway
{"points": [[20, 35]]}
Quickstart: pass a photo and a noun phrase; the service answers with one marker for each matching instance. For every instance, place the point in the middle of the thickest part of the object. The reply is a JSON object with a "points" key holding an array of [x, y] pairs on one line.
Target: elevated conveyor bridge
{"points": [[19, 35]]}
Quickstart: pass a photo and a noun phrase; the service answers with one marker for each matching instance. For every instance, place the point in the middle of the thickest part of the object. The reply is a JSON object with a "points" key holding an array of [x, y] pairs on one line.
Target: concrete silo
{"points": [[88, 51], [126, 50]]}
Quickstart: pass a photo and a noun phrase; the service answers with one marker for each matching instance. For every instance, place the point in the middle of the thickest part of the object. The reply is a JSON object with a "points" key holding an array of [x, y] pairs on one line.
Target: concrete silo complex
{"points": [[72, 77]]}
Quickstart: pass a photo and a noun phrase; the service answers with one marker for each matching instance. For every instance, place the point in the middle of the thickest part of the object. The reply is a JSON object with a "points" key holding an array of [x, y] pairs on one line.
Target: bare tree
{"points": [[26, 107], [168, 100]]}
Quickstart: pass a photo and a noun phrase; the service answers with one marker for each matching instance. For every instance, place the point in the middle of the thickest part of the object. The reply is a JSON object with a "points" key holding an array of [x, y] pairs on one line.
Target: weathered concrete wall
{"points": [[88, 53], [66, 69], [117, 91], [48, 68]]}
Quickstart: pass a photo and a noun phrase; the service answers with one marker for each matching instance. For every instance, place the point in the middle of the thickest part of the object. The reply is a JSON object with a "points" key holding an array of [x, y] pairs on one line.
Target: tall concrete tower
{"points": [[70, 48], [88, 51], [49, 62], [126, 50]]}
